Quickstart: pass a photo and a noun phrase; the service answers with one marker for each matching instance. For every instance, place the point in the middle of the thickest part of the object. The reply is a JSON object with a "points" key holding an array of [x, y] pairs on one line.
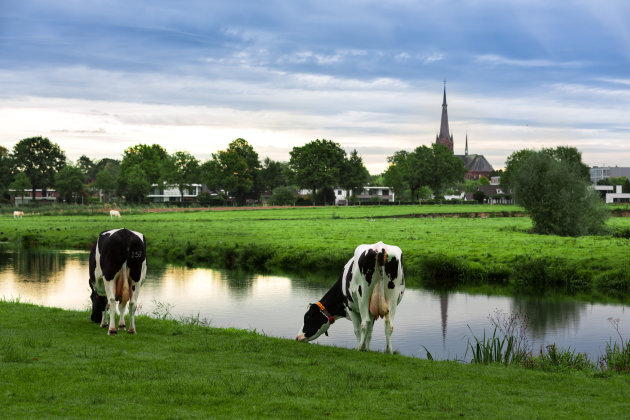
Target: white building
{"points": [[613, 195], [367, 195], [170, 195]]}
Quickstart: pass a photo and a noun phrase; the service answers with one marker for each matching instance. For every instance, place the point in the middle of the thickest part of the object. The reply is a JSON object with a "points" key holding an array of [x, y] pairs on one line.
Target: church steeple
{"points": [[445, 136], [466, 150]]}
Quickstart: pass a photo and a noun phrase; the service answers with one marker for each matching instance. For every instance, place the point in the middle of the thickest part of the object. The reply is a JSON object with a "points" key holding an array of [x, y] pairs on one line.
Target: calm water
{"points": [[275, 306]]}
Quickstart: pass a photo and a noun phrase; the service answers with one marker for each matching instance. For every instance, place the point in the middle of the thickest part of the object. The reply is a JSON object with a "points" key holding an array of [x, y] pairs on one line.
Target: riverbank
{"points": [[484, 253], [56, 363]]}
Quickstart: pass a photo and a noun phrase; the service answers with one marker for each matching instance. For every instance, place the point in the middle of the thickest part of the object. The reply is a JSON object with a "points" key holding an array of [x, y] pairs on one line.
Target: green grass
{"points": [[458, 251], [57, 364]]}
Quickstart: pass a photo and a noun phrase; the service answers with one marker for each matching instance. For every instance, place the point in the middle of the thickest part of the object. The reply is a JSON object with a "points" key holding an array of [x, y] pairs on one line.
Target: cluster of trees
{"points": [[425, 171], [554, 187], [234, 173]]}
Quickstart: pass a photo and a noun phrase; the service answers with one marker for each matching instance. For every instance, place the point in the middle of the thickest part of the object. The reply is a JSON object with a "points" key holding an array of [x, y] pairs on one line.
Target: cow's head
{"points": [[316, 323], [99, 304]]}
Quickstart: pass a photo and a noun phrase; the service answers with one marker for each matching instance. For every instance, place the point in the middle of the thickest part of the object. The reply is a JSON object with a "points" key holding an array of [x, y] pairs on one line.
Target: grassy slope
{"points": [[56, 363]]}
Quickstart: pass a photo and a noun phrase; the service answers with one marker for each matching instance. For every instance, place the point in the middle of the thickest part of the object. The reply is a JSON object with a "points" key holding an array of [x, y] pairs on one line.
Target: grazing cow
{"points": [[118, 266], [114, 213], [17, 214], [371, 286]]}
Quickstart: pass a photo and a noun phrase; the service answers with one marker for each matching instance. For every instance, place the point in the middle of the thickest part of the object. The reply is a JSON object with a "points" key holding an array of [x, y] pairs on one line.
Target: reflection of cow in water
{"points": [[371, 286], [118, 266]]}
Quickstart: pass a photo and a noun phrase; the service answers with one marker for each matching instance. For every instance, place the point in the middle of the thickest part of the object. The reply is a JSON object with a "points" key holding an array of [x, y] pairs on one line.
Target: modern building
{"points": [[170, 195], [604, 172], [367, 195], [476, 165]]}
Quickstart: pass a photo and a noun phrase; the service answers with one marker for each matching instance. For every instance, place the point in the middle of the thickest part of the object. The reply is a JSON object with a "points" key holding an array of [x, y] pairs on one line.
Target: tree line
{"points": [[236, 173]]}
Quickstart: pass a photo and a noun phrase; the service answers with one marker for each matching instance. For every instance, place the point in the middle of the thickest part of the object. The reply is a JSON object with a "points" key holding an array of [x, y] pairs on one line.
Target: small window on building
{"points": [[385, 192], [339, 192]]}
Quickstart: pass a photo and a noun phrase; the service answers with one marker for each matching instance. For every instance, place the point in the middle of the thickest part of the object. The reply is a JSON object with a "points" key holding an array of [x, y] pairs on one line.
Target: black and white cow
{"points": [[118, 266], [371, 286]]}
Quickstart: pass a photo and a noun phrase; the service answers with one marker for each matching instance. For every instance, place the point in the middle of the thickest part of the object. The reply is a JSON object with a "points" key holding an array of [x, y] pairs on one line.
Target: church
{"points": [[476, 165]]}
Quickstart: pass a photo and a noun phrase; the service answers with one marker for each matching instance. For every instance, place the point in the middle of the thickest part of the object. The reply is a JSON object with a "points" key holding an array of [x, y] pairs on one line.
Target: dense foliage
{"points": [[553, 186]]}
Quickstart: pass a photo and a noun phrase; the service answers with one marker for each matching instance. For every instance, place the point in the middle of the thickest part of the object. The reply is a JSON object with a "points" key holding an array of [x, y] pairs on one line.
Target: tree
{"points": [[184, 171], [556, 194], [283, 196], [394, 178], [105, 182], [6, 174], [234, 170], [20, 184], [87, 167], [272, 175], [447, 169], [317, 164], [136, 181], [354, 175], [154, 162], [480, 196], [40, 159], [69, 183]]}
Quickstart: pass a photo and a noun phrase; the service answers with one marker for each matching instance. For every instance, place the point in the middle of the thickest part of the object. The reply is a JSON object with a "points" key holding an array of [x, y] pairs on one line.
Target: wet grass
{"points": [[56, 363]]}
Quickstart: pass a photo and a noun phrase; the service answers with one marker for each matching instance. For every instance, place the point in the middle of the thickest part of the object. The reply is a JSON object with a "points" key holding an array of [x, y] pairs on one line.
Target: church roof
{"points": [[476, 163], [445, 137]]}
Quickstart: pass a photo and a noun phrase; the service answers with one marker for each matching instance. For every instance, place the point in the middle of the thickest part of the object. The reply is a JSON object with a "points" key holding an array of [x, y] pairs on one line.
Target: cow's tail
{"points": [[125, 284]]}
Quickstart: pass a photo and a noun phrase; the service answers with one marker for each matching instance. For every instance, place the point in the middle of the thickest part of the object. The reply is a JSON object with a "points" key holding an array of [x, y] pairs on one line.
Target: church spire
{"points": [[466, 150], [445, 136]]}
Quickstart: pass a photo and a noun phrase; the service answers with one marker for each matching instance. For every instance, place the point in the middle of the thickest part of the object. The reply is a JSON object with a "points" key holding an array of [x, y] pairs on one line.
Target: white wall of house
{"points": [[172, 194], [617, 196]]}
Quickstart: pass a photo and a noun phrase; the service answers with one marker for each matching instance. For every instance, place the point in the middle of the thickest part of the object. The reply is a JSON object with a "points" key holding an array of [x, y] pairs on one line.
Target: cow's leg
{"points": [[368, 333], [389, 328], [356, 323], [110, 290], [132, 308], [121, 312]]}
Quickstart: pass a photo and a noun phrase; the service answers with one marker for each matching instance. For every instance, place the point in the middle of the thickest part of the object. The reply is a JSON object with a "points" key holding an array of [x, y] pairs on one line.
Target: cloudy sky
{"points": [[99, 76]]}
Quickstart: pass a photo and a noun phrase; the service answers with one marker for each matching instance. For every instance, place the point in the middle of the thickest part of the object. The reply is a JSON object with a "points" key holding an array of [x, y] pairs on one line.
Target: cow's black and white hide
{"points": [[118, 266], [371, 286]]}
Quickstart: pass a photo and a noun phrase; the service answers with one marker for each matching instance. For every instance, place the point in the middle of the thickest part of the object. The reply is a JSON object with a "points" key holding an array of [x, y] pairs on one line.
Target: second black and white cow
{"points": [[371, 286], [118, 266]]}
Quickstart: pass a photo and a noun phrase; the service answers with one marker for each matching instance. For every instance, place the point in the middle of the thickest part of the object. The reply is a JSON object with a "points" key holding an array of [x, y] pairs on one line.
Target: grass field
{"points": [[457, 246], [57, 364]]}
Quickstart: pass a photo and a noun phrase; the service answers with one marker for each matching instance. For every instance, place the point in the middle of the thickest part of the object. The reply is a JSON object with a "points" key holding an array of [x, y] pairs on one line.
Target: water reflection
{"points": [[442, 322]]}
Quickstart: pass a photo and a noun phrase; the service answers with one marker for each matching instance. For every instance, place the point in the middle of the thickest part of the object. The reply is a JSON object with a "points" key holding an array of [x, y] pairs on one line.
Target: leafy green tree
{"points": [[87, 167], [105, 183], [447, 169], [393, 178], [154, 162], [6, 174], [317, 165], [570, 155], [40, 159], [234, 170], [184, 171], [20, 184], [354, 175], [424, 193], [556, 194], [480, 196], [69, 183], [136, 182], [272, 174], [283, 196]]}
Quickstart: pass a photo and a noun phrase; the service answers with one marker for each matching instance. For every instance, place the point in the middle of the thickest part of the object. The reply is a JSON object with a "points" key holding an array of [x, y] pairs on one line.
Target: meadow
{"points": [[466, 246], [58, 364]]}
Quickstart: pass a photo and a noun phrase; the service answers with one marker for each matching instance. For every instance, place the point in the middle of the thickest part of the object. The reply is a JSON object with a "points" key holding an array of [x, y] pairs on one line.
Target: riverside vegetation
{"points": [[57, 364], [465, 246]]}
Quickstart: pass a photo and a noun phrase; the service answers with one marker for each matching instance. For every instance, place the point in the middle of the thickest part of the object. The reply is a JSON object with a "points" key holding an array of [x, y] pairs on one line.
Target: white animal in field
{"points": [[17, 214], [114, 213]]}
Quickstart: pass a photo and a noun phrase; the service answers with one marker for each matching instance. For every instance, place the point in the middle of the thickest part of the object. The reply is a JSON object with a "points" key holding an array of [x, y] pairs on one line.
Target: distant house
{"points": [[26, 198], [171, 195], [495, 194]]}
